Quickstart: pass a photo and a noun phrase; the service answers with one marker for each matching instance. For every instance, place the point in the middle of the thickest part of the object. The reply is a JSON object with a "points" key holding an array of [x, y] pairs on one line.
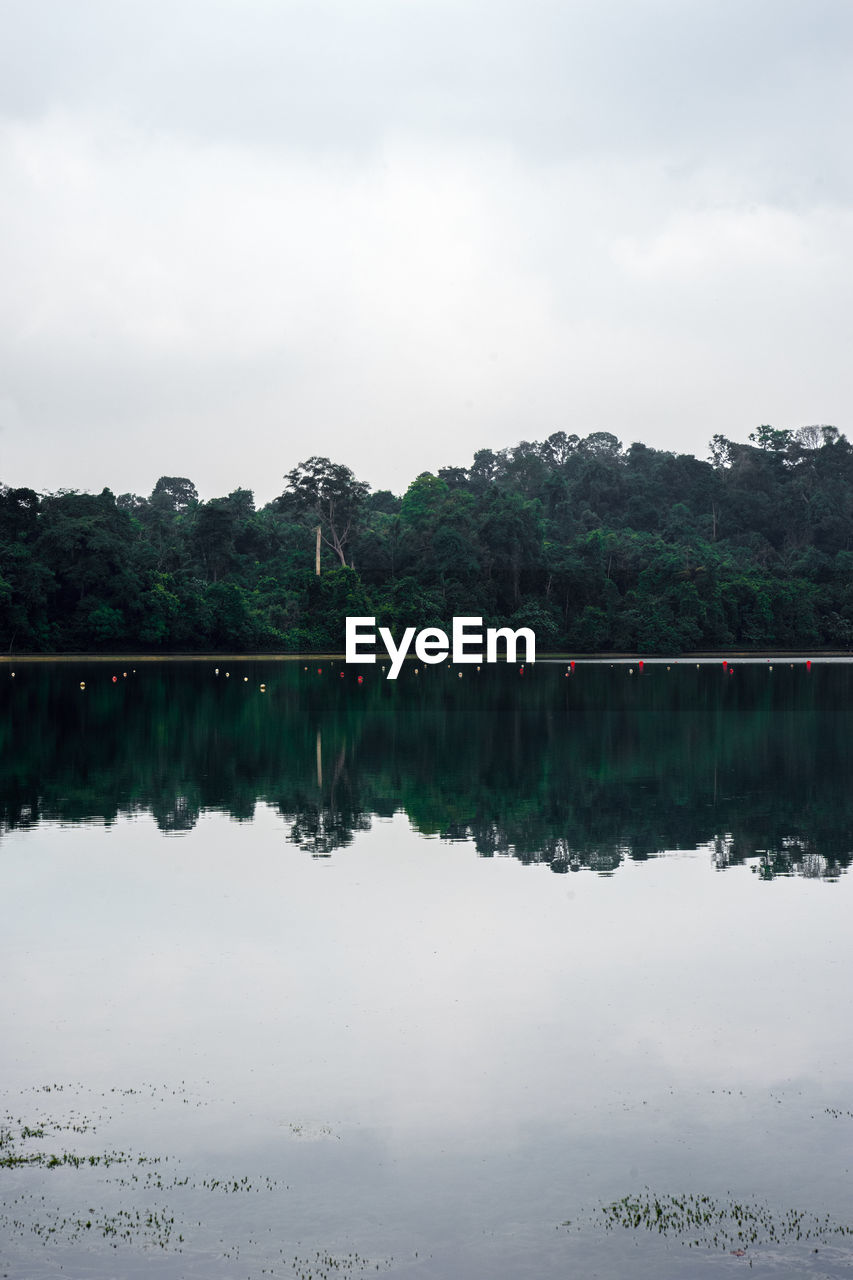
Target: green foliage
{"points": [[599, 547]]}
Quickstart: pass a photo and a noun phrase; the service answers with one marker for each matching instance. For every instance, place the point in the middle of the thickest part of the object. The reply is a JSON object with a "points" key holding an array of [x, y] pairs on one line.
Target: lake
{"points": [[495, 974]]}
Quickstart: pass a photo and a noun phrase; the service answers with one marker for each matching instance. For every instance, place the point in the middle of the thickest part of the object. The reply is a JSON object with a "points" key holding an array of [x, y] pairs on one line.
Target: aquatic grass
{"points": [[154, 1223], [703, 1221]]}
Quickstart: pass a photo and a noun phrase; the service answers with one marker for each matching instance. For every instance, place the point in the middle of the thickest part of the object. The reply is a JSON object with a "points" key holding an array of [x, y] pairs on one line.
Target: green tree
{"points": [[330, 494]]}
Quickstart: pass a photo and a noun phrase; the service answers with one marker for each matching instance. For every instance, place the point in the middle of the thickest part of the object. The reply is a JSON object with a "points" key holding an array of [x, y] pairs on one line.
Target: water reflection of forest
{"points": [[581, 771]]}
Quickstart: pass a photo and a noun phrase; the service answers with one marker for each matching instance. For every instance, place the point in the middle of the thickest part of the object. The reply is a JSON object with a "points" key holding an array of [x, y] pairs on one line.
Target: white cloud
{"points": [[400, 236]]}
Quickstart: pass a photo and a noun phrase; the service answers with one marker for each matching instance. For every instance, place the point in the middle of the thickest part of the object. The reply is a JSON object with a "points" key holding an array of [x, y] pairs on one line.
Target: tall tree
{"points": [[329, 493]]}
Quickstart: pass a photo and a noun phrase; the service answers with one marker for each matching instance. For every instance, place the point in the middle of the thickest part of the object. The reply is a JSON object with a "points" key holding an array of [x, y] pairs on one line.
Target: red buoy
{"points": [[808, 664], [361, 679], [115, 679], [640, 664]]}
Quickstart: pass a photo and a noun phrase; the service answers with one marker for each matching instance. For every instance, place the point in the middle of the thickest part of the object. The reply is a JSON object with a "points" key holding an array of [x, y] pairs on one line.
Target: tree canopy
{"points": [[597, 546]]}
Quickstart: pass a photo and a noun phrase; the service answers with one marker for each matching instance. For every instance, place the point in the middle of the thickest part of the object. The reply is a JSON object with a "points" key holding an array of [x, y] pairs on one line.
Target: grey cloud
{"points": [[392, 231], [554, 79]]}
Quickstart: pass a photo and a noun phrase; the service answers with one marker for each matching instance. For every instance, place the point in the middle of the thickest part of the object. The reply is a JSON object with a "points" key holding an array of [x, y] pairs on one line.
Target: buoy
{"points": [[263, 688], [640, 664], [460, 675], [115, 679], [124, 675], [13, 674], [416, 670], [361, 679], [319, 671], [808, 664], [630, 671], [245, 679], [82, 684], [667, 668], [572, 664], [342, 675], [725, 663], [227, 674], [216, 671], [771, 668]]}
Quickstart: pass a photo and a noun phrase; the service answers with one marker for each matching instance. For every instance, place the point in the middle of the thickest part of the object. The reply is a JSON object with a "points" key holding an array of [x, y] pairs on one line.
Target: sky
{"points": [[238, 233]]}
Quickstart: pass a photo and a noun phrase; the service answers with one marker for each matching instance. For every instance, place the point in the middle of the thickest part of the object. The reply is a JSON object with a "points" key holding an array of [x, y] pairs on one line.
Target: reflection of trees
{"points": [[180, 815], [322, 830], [793, 856], [582, 771]]}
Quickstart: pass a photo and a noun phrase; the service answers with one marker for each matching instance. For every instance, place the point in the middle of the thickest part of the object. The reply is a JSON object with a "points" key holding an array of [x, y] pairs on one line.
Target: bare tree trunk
{"points": [[317, 555]]}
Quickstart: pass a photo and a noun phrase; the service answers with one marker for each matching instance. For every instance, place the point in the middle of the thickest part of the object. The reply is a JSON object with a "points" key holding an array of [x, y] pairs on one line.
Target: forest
{"points": [[599, 548]]}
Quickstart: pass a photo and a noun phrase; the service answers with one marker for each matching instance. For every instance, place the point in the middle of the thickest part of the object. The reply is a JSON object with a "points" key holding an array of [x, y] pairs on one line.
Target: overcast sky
{"points": [[233, 235]]}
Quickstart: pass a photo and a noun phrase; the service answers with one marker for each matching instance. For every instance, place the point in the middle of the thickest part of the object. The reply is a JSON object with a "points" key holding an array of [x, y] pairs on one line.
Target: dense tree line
{"points": [[595, 546]]}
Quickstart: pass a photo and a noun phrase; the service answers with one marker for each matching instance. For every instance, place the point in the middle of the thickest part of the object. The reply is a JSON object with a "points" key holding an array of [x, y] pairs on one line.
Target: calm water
{"points": [[502, 976]]}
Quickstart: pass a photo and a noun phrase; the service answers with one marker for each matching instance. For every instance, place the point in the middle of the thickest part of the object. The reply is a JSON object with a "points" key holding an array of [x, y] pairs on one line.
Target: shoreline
{"points": [[701, 656]]}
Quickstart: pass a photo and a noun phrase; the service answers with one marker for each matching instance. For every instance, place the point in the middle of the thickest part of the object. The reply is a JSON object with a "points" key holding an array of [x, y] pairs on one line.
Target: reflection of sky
{"points": [[469, 1043], [406, 981]]}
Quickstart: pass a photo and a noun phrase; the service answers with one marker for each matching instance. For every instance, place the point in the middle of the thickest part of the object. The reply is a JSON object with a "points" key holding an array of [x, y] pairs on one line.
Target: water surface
{"points": [[478, 976]]}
